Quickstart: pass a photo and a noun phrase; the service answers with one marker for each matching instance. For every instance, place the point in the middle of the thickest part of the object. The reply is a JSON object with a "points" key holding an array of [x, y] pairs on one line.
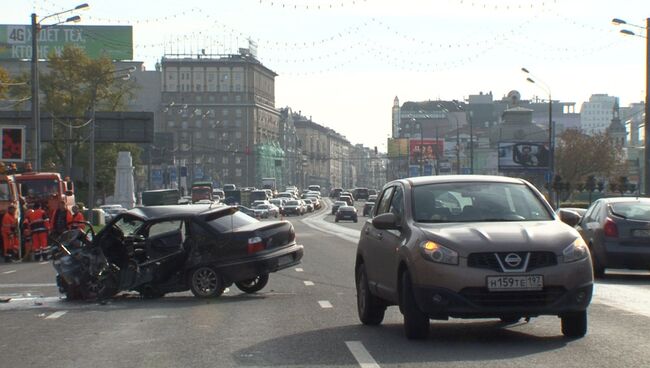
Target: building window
{"points": [[238, 172], [237, 98], [224, 112], [170, 124], [225, 173], [238, 160], [224, 160], [238, 134], [238, 113]]}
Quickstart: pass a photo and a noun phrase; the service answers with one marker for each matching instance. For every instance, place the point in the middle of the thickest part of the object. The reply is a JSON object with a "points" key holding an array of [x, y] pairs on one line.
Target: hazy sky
{"points": [[342, 62]]}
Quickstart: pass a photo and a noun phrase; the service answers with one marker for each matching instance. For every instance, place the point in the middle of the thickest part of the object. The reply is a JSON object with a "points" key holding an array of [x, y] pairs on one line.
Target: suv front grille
{"points": [[538, 298], [489, 260]]}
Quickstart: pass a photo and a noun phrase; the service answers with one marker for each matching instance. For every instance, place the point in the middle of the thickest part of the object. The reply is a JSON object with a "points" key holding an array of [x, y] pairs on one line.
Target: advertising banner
{"points": [[114, 42], [425, 151], [12, 146], [523, 156]]}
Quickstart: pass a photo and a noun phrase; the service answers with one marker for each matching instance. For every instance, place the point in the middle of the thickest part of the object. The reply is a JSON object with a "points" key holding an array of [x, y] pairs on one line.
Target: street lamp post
{"points": [[551, 148], [36, 27], [646, 129]]}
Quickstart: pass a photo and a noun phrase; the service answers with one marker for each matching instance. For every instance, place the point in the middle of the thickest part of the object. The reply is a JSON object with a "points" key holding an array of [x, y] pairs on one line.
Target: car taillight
{"points": [[611, 230], [255, 245]]}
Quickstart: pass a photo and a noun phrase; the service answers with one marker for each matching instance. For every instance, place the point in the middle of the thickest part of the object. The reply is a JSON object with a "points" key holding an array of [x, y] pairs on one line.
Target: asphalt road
{"points": [[305, 317]]}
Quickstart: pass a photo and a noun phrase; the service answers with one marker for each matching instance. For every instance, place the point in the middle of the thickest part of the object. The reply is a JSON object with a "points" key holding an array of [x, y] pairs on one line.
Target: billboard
{"points": [[523, 156], [425, 151], [12, 146], [114, 42]]}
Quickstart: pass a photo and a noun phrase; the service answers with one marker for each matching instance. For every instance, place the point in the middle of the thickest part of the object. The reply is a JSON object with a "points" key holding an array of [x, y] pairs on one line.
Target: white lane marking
{"points": [[56, 315], [25, 285], [309, 283], [44, 263], [8, 272], [299, 269], [628, 298], [362, 355], [325, 304]]}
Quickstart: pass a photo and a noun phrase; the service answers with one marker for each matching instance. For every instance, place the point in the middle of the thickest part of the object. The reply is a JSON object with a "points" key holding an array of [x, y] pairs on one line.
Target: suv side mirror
{"points": [[569, 217], [386, 221]]}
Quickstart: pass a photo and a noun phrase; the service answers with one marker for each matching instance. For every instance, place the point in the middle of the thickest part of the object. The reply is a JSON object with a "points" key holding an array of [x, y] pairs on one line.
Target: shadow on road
{"points": [[449, 342]]}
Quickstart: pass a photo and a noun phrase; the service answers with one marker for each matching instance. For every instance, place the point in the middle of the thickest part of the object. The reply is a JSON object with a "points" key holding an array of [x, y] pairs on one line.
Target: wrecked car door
{"points": [[164, 250]]}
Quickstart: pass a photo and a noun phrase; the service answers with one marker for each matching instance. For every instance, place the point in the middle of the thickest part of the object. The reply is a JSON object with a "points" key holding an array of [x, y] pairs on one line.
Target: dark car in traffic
{"points": [[346, 213], [163, 249], [617, 231], [470, 247], [336, 205]]}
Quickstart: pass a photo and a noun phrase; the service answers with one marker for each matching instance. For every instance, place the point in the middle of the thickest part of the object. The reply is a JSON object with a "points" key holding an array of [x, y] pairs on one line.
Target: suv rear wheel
{"points": [[416, 323], [574, 324], [371, 309]]}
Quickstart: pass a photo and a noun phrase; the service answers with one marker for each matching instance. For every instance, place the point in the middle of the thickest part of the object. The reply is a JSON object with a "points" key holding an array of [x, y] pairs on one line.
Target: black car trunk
{"points": [[258, 239]]}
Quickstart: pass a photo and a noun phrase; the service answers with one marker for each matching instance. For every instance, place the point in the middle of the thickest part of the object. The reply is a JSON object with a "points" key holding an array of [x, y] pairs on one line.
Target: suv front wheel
{"points": [[416, 322], [574, 324], [371, 309]]}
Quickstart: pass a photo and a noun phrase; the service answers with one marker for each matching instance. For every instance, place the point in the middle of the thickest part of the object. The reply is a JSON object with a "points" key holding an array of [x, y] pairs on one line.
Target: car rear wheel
{"points": [[574, 324], [205, 282], [371, 309], [253, 285], [416, 323]]}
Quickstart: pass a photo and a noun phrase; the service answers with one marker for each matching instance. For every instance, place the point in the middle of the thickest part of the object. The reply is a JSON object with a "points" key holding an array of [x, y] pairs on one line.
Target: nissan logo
{"points": [[513, 260]]}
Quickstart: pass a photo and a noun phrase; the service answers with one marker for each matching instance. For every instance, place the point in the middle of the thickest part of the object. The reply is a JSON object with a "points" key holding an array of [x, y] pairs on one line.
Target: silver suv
{"points": [[470, 247]]}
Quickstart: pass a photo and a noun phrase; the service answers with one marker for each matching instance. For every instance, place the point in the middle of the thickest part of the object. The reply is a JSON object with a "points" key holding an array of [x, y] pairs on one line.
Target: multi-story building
{"points": [[632, 118], [596, 114], [221, 111], [326, 155], [292, 165]]}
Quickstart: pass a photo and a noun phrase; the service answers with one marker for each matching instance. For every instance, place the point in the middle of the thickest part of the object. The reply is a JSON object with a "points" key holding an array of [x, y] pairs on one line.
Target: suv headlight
{"points": [[578, 250], [437, 253]]}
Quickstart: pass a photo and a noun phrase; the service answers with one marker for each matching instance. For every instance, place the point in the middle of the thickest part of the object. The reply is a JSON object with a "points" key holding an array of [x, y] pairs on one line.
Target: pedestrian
{"points": [[77, 220], [38, 222], [60, 219], [10, 239]]}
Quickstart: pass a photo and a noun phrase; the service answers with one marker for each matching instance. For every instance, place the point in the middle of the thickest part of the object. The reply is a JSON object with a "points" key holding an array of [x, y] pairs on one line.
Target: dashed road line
{"points": [[299, 269], [361, 355], [325, 304], [8, 272], [309, 283], [44, 263], [56, 315]]}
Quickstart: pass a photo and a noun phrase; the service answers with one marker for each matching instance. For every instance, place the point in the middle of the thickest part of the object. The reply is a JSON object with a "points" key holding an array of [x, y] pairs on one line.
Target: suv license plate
{"points": [[515, 283]]}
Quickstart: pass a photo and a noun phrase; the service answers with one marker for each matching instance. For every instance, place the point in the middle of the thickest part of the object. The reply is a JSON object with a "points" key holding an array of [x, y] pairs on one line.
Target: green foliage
{"points": [[578, 156], [74, 85]]}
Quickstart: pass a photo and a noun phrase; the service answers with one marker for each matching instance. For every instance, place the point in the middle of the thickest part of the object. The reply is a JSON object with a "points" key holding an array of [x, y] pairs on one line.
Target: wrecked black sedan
{"points": [[163, 249]]}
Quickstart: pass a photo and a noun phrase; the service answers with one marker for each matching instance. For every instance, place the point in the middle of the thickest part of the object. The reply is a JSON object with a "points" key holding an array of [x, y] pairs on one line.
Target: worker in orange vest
{"points": [[10, 234], [77, 220], [38, 222]]}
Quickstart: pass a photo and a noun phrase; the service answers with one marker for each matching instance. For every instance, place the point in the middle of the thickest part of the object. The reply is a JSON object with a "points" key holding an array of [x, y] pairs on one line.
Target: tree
{"points": [[72, 86], [4, 83], [578, 156]]}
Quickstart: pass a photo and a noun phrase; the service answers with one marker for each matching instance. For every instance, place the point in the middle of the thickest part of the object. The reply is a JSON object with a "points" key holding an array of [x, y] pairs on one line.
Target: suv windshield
{"points": [[477, 202]]}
